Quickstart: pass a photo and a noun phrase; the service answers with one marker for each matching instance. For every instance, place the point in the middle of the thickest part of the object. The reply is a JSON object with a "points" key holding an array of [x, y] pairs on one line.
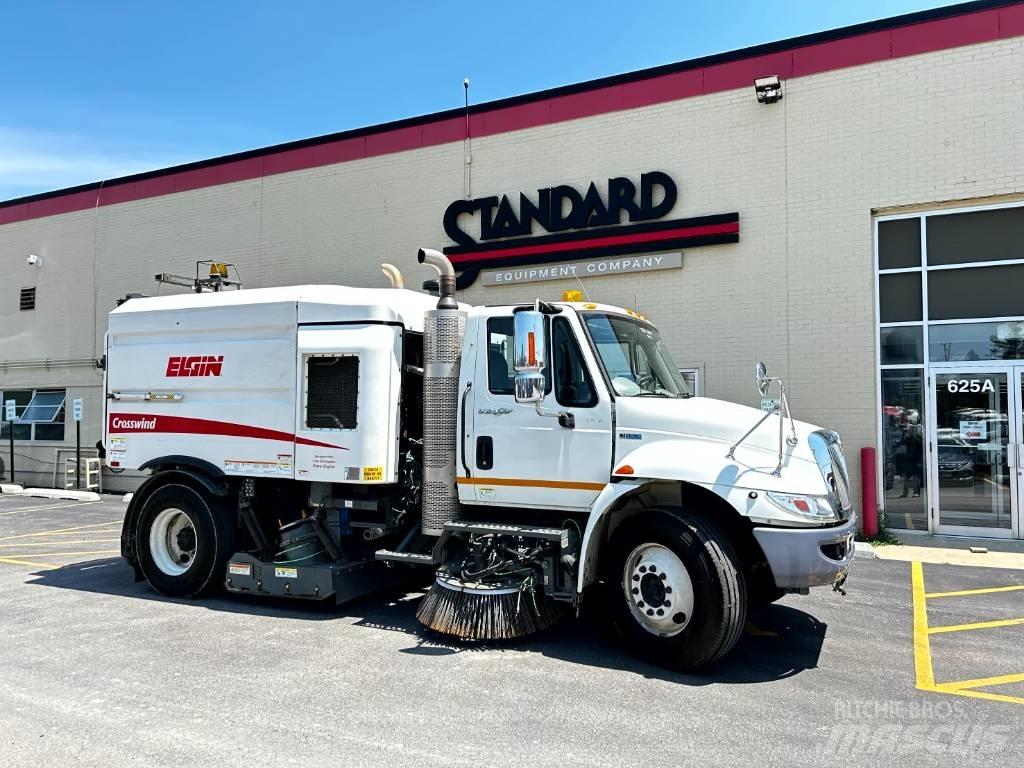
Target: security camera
{"points": [[33, 260]]}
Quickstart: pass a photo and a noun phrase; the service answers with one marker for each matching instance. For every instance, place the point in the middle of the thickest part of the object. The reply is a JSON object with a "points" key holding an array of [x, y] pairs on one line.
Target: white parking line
{"points": [[49, 506]]}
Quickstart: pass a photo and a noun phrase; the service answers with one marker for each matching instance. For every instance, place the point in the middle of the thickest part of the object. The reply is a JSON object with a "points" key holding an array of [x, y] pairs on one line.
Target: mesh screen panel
{"points": [[332, 392]]}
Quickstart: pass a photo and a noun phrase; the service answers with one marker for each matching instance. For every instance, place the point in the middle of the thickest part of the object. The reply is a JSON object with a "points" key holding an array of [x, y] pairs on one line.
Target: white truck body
{"points": [[304, 408]]}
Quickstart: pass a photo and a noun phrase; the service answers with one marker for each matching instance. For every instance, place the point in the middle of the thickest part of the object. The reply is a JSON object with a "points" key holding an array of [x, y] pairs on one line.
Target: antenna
{"points": [[585, 291], [467, 174]]}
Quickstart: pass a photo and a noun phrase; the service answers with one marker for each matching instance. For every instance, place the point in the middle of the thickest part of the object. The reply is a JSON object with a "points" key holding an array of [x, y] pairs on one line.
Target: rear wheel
{"points": [[184, 539], [677, 589]]}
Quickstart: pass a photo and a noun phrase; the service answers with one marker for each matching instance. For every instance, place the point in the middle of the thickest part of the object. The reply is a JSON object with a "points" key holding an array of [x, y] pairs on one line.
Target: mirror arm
{"points": [[762, 420]]}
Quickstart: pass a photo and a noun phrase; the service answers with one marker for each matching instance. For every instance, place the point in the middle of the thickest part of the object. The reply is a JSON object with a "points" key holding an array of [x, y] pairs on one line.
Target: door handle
{"points": [[485, 452], [462, 436]]}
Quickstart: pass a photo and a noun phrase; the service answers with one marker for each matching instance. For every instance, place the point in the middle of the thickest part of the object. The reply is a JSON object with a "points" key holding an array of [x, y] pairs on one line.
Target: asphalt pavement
{"points": [[916, 665]]}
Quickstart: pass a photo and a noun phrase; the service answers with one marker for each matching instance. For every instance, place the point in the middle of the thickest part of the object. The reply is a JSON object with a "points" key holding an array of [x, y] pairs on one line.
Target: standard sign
{"points": [[9, 412], [616, 265], [76, 409]]}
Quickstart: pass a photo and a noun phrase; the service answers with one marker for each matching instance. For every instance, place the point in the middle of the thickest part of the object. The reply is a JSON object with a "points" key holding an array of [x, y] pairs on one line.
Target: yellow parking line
{"points": [[54, 543], [981, 682], [986, 591], [976, 625], [16, 555], [922, 648], [58, 530], [985, 695], [13, 561]]}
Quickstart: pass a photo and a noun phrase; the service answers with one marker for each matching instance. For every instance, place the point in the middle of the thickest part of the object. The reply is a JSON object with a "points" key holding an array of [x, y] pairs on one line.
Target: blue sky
{"points": [[100, 89]]}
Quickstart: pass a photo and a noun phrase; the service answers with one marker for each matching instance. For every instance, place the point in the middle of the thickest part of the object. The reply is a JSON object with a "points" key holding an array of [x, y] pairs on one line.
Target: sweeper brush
{"points": [[478, 611]]}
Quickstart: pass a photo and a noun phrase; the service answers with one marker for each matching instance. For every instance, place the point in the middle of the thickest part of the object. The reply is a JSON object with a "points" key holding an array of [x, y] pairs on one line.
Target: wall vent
{"points": [[28, 299]]}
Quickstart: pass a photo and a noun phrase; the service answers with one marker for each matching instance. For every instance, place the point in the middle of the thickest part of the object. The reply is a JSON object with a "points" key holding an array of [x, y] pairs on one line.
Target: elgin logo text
{"points": [[197, 365]]}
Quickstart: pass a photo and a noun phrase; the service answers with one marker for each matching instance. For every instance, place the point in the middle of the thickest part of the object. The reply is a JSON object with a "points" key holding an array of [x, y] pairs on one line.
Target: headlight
{"points": [[810, 507]]}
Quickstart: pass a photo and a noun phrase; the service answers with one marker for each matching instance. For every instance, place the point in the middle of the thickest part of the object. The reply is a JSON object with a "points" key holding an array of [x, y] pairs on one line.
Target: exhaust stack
{"points": [[445, 276], [443, 330], [392, 273]]}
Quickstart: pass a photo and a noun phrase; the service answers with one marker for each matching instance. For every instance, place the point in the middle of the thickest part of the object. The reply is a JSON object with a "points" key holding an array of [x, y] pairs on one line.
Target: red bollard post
{"points": [[869, 492]]}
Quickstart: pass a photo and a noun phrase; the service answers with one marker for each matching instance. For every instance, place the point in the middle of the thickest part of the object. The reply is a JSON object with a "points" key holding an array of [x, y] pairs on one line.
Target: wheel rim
{"points": [[172, 541], [658, 589]]}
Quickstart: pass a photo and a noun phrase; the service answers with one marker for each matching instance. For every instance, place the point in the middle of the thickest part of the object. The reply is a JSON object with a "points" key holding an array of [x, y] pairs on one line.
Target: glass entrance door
{"points": [[975, 442]]}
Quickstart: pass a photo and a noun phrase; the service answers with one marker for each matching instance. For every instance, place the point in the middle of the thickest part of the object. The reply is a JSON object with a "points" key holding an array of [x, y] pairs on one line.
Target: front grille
{"points": [[828, 453]]}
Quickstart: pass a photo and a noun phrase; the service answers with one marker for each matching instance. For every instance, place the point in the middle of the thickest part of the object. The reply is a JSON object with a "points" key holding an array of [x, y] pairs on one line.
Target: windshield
{"points": [[634, 357]]}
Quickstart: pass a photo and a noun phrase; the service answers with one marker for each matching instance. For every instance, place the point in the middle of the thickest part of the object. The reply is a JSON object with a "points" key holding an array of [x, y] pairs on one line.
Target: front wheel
{"points": [[183, 540], [677, 589]]}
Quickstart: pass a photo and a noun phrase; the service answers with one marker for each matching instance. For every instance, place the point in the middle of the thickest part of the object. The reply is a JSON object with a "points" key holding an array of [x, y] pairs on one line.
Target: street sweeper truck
{"points": [[527, 461]]}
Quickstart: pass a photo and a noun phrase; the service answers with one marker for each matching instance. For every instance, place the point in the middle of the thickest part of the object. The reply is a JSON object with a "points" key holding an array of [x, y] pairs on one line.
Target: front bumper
{"points": [[808, 557]]}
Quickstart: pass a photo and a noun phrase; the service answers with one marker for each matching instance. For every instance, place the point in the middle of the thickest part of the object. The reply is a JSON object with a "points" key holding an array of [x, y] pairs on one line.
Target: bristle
{"points": [[482, 616]]}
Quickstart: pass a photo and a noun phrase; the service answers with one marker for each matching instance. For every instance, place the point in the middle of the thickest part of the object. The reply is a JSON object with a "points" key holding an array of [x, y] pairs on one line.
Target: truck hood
{"points": [[710, 427]]}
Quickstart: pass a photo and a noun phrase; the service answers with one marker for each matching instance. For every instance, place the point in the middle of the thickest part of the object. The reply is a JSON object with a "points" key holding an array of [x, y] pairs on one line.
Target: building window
{"points": [[27, 299], [691, 377], [40, 414]]}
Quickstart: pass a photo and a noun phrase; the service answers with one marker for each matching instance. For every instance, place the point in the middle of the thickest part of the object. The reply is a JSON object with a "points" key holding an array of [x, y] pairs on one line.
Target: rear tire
{"points": [[184, 539], [679, 564]]}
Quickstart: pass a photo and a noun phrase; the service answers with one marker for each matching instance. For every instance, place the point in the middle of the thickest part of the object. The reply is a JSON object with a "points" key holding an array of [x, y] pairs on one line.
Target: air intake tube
{"points": [[393, 274], [445, 275]]}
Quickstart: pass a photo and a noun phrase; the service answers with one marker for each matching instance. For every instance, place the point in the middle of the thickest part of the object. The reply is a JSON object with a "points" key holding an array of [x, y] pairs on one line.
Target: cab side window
{"points": [[501, 374], [573, 386]]}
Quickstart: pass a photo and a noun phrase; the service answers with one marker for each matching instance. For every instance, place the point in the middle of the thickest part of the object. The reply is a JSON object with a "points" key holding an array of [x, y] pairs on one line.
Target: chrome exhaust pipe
{"points": [[370, 534], [393, 274], [445, 276]]}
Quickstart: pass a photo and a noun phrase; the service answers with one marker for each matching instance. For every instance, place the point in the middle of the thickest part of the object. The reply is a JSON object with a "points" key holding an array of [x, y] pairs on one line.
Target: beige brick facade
{"points": [[805, 175]]}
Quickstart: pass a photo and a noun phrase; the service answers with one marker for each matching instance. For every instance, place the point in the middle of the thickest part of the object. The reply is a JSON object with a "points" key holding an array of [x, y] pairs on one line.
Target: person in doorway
{"points": [[911, 455]]}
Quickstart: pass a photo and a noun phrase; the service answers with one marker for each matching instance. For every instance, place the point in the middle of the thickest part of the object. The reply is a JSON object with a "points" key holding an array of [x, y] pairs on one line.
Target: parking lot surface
{"points": [[917, 665]]}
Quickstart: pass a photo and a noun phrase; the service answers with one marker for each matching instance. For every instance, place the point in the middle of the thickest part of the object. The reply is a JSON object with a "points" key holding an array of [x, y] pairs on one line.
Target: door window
{"points": [[573, 386]]}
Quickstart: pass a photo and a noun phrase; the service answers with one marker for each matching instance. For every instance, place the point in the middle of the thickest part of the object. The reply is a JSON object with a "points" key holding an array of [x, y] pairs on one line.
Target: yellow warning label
{"points": [[373, 473]]}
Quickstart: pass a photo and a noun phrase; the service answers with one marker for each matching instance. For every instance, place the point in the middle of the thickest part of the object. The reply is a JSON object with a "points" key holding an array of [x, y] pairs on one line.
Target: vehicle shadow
{"points": [[780, 641]]}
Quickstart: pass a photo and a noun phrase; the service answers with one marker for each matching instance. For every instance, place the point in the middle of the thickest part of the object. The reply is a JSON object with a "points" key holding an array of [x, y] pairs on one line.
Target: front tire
{"points": [[184, 539], [678, 593]]}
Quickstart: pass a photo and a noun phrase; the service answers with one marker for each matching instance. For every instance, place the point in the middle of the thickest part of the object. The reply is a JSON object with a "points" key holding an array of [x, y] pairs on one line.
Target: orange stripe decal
{"points": [[565, 485]]}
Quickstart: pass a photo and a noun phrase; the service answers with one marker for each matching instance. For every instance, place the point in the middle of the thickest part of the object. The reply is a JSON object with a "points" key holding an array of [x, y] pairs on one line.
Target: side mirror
{"points": [[761, 378], [528, 355]]}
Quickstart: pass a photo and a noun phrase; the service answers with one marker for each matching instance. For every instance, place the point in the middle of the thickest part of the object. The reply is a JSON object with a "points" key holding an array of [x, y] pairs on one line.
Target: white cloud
{"points": [[38, 161]]}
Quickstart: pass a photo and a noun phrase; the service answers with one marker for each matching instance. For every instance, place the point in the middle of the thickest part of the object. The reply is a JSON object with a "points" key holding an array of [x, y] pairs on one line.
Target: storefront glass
{"points": [[904, 476], [950, 288]]}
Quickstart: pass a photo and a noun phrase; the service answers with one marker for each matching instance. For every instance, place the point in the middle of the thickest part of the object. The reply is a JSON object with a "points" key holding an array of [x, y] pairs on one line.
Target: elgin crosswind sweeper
{"points": [[323, 442]]}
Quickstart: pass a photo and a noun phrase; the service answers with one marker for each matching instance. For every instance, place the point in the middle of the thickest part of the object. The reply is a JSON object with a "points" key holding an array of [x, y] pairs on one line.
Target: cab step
{"points": [[502, 529], [404, 557]]}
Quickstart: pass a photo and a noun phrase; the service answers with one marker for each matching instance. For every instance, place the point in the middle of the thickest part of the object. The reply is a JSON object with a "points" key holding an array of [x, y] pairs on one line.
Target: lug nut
{"points": [[643, 569], [667, 604], [636, 591], [635, 577], [640, 603], [668, 590], [661, 612], [662, 576], [650, 612]]}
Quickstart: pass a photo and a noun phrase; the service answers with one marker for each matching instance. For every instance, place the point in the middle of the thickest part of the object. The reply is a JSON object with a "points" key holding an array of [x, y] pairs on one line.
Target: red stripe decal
{"points": [[147, 423], [731, 227]]}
